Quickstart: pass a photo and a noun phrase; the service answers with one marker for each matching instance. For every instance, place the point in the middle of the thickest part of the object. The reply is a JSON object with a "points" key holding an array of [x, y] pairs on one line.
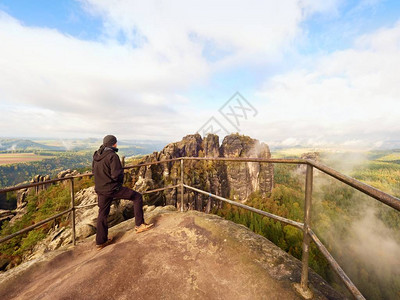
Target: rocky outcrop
{"points": [[22, 194], [67, 173], [228, 179], [248, 177], [188, 255], [6, 215], [315, 156], [312, 156], [85, 220]]}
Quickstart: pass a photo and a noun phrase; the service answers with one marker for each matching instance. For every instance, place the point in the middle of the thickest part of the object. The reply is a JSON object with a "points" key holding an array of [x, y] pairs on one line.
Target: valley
{"points": [[361, 233]]}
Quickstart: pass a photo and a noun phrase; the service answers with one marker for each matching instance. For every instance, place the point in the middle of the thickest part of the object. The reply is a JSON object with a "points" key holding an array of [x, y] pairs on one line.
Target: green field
{"points": [[16, 158]]}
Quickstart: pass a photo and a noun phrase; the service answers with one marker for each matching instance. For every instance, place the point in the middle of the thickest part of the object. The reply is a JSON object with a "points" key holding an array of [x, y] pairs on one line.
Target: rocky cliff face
{"points": [[245, 178], [228, 179]]}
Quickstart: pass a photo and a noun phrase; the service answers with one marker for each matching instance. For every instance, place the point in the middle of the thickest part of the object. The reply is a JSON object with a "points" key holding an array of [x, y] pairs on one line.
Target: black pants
{"points": [[104, 203]]}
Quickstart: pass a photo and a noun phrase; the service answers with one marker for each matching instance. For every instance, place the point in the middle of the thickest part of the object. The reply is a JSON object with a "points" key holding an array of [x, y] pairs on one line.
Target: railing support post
{"points": [[182, 184], [303, 288], [73, 212]]}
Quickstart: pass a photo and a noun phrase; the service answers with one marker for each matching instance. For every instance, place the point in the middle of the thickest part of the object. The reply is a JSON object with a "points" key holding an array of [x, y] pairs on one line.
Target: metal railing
{"points": [[308, 233]]}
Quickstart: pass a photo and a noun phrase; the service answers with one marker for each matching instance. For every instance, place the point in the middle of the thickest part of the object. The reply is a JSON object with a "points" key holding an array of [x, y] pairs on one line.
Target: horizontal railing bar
{"points": [[162, 189], [250, 159], [358, 185], [237, 159], [153, 163], [21, 187], [371, 191], [82, 175], [258, 211], [339, 271], [146, 192], [34, 226]]}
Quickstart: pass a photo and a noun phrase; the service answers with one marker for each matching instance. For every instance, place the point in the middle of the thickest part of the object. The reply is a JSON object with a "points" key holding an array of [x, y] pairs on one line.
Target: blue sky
{"points": [[318, 73], [66, 16]]}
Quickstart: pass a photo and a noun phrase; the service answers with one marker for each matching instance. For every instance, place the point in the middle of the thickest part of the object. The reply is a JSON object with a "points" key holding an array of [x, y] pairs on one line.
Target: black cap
{"points": [[109, 140]]}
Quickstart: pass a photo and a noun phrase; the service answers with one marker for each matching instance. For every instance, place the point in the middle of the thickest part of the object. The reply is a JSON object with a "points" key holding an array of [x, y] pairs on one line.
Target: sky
{"points": [[291, 72]]}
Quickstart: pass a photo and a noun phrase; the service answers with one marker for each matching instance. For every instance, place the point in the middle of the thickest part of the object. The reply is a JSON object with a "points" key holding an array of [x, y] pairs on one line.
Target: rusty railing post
{"points": [[181, 184], [73, 212], [303, 288]]}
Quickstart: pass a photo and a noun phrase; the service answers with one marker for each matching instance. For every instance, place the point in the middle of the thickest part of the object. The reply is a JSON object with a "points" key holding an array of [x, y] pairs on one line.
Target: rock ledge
{"points": [[188, 255]]}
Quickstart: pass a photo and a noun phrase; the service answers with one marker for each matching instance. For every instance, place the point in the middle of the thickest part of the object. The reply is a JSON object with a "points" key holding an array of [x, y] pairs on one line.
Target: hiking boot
{"points": [[101, 246], [143, 227]]}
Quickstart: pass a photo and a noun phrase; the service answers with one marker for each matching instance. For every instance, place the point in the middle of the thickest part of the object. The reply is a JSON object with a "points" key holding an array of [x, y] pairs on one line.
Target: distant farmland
{"points": [[15, 158]]}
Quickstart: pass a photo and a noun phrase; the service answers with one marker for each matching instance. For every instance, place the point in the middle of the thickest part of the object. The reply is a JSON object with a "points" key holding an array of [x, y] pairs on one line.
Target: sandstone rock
{"points": [[210, 145], [21, 197], [6, 215], [67, 173], [150, 208], [4, 263], [19, 213], [186, 256], [64, 173], [311, 155], [126, 208], [315, 156], [245, 178], [85, 222], [23, 193], [238, 180], [85, 230]]}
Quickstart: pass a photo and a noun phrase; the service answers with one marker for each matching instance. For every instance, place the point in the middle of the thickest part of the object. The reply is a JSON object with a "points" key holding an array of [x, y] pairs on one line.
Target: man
{"points": [[108, 180]]}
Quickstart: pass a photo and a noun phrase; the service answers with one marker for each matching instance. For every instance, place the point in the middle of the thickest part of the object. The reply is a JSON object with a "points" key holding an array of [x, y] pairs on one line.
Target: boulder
{"points": [[21, 197]]}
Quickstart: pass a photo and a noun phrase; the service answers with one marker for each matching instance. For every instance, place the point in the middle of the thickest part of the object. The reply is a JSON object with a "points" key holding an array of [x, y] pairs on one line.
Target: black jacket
{"points": [[107, 170]]}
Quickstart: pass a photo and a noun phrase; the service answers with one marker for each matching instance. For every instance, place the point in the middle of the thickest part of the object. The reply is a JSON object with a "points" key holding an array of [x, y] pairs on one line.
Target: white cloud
{"points": [[290, 142], [316, 6], [54, 83], [347, 94], [182, 27], [137, 86], [226, 32], [85, 83]]}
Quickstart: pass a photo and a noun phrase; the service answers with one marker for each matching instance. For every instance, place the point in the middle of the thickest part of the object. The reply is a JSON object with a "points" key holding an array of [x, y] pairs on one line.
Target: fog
{"points": [[355, 231], [374, 243], [12, 148], [67, 145]]}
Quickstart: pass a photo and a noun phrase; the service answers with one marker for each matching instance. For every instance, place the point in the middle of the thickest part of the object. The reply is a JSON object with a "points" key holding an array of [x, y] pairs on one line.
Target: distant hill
{"points": [[21, 144], [127, 147], [60, 155]]}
